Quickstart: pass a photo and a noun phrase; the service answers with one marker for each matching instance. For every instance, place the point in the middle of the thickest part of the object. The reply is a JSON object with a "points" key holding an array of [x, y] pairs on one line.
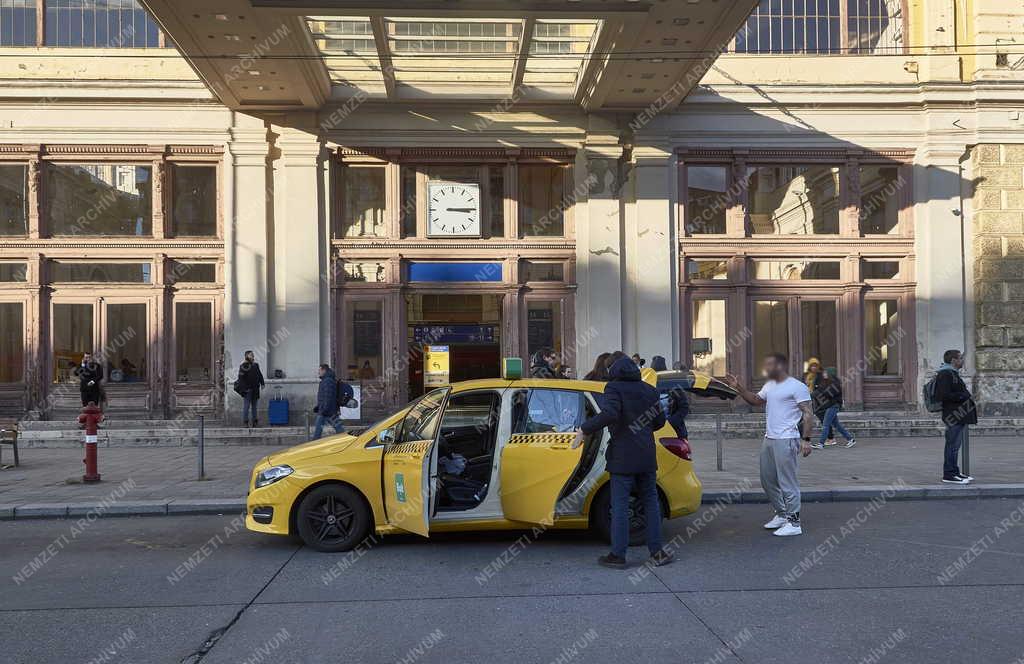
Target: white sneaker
{"points": [[789, 529], [776, 522]]}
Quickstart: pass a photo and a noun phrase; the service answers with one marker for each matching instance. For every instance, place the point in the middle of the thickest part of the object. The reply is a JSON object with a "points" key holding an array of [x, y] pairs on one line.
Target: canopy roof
{"points": [[597, 54]]}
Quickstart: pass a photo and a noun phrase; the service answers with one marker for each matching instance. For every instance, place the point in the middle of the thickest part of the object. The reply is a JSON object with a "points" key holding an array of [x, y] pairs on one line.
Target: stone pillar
{"points": [[246, 253], [299, 269], [599, 251], [652, 256], [998, 225], [940, 266]]}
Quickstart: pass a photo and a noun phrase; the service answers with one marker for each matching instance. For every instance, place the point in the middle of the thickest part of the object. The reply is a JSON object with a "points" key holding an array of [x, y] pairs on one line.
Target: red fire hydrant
{"points": [[90, 419]]}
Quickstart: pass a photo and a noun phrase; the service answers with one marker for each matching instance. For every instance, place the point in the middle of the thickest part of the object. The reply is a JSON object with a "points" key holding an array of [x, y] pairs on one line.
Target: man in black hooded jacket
{"points": [[631, 409]]}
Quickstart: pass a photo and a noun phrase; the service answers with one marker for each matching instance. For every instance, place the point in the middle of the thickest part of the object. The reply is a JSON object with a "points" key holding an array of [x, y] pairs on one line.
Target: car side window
{"points": [[421, 422], [551, 411]]}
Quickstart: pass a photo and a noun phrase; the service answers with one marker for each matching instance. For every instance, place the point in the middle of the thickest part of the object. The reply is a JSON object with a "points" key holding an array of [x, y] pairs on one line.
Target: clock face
{"points": [[454, 209]]}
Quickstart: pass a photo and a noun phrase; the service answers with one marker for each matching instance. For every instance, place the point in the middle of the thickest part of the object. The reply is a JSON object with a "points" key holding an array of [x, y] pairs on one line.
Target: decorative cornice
{"points": [[88, 245], [195, 149], [795, 155], [468, 153], [478, 246]]}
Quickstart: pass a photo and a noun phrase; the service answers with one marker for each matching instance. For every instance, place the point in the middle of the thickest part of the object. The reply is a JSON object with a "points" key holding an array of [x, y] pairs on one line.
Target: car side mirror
{"points": [[386, 437]]}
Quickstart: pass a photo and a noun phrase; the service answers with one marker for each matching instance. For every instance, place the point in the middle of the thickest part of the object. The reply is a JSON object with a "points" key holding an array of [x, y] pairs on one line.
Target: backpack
{"points": [[345, 396], [931, 404]]}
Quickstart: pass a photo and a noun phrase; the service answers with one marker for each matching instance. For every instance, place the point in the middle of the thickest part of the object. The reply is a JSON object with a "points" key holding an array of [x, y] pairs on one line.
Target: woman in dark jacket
{"points": [[600, 370], [631, 409], [250, 380]]}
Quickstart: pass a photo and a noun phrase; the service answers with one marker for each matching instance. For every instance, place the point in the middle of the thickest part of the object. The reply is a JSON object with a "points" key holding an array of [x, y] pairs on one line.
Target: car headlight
{"points": [[273, 474]]}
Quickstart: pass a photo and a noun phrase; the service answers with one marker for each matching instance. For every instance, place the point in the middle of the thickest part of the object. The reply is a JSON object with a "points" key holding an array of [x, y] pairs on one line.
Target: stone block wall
{"points": [[999, 277]]}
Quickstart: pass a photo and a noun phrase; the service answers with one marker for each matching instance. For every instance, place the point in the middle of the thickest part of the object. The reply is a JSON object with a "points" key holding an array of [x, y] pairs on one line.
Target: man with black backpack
{"points": [[331, 395], [958, 412]]}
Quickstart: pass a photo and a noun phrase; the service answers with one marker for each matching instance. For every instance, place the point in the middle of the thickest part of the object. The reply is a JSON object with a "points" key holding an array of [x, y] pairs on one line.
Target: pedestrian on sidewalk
{"points": [[958, 412], [788, 424], [828, 401], [250, 381], [90, 375], [631, 409], [327, 408]]}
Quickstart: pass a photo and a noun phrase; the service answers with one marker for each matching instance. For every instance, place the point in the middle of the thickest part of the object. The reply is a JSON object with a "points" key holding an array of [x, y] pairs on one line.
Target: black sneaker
{"points": [[612, 560], [965, 477], [955, 479], [661, 558]]}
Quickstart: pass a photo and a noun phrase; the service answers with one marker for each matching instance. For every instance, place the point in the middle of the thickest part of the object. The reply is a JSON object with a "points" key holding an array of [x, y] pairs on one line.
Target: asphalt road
{"points": [[937, 581]]}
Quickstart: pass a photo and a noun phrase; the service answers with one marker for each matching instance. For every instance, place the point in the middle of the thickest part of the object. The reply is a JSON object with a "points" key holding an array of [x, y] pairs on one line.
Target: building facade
{"points": [[843, 182]]}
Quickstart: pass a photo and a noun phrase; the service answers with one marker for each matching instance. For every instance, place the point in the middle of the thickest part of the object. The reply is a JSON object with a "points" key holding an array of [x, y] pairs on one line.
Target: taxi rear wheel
{"points": [[333, 518], [602, 518]]}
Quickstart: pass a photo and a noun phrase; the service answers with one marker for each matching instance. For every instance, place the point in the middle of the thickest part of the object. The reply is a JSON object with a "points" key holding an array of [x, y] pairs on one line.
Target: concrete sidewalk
{"points": [[147, 480]]}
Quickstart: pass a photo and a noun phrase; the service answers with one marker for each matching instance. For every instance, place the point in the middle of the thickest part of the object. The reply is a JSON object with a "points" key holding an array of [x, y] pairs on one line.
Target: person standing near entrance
{"points": [[958, 412], [542, 364], [787, 403], [326, 408], [631, 409], [250, 381], [90, 373]]}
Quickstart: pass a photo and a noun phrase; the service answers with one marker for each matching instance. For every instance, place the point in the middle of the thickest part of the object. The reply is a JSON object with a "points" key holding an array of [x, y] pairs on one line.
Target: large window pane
{"points": [[195, 200], [363, 202], [13, 272], [706, 199], [818, 327], [543, 326], [794, 200], [191, 273], [17, 22], [124, 273], [99, 23], [13, 199], [72, 337], [541, 271], [127, 340], [12, 342], [796, 270], [882, 336], [99, 199], [771, 329], [879, 199], [707, 269], [880, 269], [541, 204], [193, 341], [366, 333], [707, 340]]}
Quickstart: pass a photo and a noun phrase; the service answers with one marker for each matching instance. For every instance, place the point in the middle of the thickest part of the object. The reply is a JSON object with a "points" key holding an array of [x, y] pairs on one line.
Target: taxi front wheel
{"points": [[333, 518]]}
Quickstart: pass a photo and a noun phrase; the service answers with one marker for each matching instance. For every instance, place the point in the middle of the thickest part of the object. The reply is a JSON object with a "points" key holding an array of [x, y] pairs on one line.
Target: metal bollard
{"points": [[718, 441], [202, 448]]}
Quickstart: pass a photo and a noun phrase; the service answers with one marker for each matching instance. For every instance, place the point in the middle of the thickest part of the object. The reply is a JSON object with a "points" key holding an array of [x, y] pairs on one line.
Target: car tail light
{"points": [[678, 446]]}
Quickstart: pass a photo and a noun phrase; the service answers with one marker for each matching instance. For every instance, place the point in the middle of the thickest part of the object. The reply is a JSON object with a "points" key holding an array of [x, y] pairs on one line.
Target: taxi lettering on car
{"points": [[478, 455]]}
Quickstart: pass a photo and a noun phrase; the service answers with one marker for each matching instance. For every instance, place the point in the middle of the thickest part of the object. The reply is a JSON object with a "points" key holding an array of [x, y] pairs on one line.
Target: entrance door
{"points": [[409, 468], [538, 461], [116, 332]]}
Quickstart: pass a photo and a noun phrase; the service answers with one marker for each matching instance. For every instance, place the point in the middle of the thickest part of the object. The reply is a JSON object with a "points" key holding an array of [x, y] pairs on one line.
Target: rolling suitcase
{"points": [[277, 410]]}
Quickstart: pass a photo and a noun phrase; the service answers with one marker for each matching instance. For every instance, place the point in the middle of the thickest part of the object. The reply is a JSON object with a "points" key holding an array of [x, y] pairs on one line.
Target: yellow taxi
{"points": [[477, 455]]}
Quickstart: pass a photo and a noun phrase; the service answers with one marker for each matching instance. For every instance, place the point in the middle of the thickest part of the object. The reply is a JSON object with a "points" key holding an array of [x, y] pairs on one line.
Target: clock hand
{"points": [[461, 209]]}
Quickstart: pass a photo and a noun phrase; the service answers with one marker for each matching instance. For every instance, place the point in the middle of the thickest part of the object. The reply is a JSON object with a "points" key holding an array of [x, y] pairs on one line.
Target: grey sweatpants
{"points": [[778, 475]]}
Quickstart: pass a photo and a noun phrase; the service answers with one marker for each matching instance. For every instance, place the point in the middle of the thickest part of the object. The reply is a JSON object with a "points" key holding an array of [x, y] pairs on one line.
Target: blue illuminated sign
{"points": [[440, 272]]}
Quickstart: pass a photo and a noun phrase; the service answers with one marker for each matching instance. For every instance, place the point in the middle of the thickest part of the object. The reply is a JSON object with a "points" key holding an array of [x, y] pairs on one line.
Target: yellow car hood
{"points": [[314, 448]]}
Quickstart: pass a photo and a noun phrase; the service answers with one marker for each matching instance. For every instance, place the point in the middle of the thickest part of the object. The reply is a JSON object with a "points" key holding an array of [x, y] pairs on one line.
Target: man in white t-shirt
{"points": [[788, 423]]}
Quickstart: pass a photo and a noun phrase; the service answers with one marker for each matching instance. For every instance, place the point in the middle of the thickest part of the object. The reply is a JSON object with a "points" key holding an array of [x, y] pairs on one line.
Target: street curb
{"points": [[864, 493], [212, 506]]}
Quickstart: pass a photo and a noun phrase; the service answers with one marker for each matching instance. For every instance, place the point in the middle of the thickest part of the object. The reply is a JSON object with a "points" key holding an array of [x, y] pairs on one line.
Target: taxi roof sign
{"points": [[512, 368]]}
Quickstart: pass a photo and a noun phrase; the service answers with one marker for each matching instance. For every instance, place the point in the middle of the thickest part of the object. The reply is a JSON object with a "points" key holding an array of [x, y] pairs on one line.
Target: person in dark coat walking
{"points": [[677, 407], [827, 401], [631, 410], [958, 412], [326, 408], [90, 373], [250, 381]]}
